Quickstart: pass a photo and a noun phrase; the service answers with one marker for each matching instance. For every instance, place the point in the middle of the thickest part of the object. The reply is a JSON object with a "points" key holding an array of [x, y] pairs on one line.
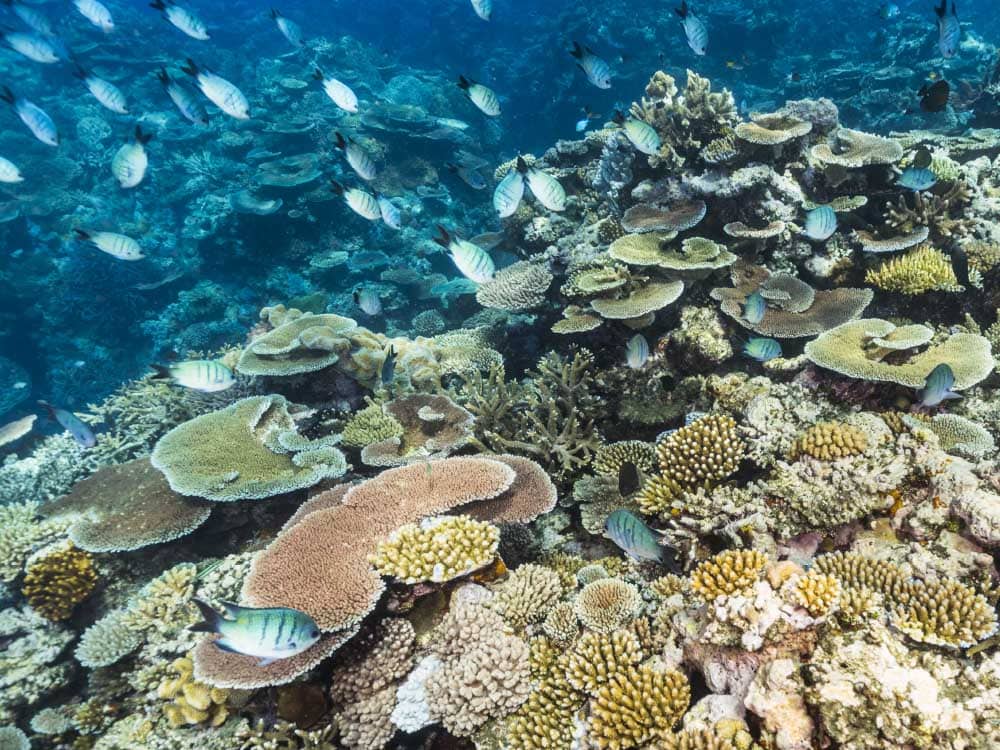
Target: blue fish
{"points": [[762, 349], [949, 29], [268, 634], [937, 387], [821, 223], [637, 540], [754, 308], [916, 178], [83, 435]]}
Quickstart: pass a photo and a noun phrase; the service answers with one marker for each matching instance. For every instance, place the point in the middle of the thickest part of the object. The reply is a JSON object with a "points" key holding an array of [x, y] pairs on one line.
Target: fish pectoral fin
{"points": [[223, 646], [952, 395]]}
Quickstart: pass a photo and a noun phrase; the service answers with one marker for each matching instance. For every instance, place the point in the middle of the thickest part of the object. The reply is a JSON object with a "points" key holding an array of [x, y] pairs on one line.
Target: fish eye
{"points": [[314, 633]]}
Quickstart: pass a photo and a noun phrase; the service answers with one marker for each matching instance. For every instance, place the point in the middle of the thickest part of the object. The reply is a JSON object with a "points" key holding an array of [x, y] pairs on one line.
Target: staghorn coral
{"points": [[517, 287], [636, 706], [57, 581], [729, 572], [923, 269], [936, 212], [437, 549], [829, 441], [607, 604]]}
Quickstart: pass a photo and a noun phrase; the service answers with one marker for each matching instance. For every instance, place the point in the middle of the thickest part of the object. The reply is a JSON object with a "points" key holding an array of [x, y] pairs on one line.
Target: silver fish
{"points": [[288, 28], [117, 245], [544, 187], [205, 375], [472, 261], [338, 92], [636, 539], [821, 223], [641, 134], [267, 634], [390, 214], [82, 434], [637, 352], [34, 46], [762, 349], [694, 29], [362, 202], [483, 8], [33, 116], [182, 19], [96, 12], [508, 193], [949, 29], [368, 301], [36, 20], [186, 102], [106, 93], [362, 164], [131, 161], [222, 93], [754, 308], [596, 69], [9, 173], [938, 386], [483, 97], [470, 177]]}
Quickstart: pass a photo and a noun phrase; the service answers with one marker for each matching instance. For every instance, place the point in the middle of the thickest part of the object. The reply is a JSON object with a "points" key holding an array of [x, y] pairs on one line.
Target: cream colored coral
{"points": [[607, 604], [636, 706], [598, 656], [817, 593], [729, 572], [437, 549]]}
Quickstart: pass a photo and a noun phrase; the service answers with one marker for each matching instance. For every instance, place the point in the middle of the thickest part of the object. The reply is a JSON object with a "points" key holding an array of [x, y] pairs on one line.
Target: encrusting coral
{"points": [[58, 581]]}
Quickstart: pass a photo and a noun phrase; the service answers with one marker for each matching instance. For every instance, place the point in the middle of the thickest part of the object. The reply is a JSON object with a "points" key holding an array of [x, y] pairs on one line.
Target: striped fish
{"points": [[82, 434], [357, 157], [938, 386], [130, 162], [482, 96], [821, 223], [288, 28], [508, 193], [637, 352], [96, 13], [107, 94], [483, 8], [339, 93], [762, 349], [754, 308], [361, 202], [205, 375], [117, 245], [596, 69], [640, 134], [637, 540], [949, 29], [694, 29], [33, 116], [34, 46], [9, 172], [222, 93], [544, 187], [182, 19], [186, 102], [390, 214], [268, 634], [917, 178], [36, 20], [472, 261]]}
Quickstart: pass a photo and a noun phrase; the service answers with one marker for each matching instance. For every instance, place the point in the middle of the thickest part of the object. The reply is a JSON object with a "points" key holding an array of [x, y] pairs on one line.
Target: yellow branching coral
{"points": [[546, 720], [561, 624], [697, 455], [437, 549], [370, 425], [607, 604], [527, 595], [727, 734], [598, 656], [190, 702], [637, 706], [817, 593], [56, 583], [729, 572], [923, 269], [609, 458], [831, 440]]}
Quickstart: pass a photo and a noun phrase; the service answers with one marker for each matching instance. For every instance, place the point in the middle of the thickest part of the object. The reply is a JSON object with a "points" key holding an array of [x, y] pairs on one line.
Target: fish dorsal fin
{"points": [[232, 609]]}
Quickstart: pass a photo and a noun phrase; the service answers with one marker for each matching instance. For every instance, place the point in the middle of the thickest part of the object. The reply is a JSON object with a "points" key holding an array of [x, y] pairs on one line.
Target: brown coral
{"points": [[829, 441], [55, 583]]}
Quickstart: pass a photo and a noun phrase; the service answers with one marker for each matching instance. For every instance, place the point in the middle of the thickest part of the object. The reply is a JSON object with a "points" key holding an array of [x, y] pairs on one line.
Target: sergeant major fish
{"points": [[640, 134], [340, 93], [917, 178], [821, 223], [637, 352], [508, 193], [223, 94], [694, 29], [82, 434], [186, 102], [106, 93], [357, 157], [483, 97], [754, 308], [31, 17], [762, 349], [483, 8], [637, 540], [96, 12], [388, 370], [390, 214], [361, 202], [131, 161], [472, 261], [117, 245], [596, 69], [205, 375], [9, 173], [543, 186], [33, 116], [34, 46], [267, 634], [949, 29], [288, 28], [182, 19]]}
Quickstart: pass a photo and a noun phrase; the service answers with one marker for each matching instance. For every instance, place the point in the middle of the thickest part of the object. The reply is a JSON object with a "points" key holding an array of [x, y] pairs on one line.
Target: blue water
{"points": [[74, 319]]}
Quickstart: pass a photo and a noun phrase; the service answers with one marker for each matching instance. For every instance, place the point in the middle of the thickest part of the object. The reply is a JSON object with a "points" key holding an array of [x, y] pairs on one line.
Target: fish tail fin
{"points": [[162, 76], [318, 73], [158, 5], [336, 187], [79, 71], [6, 95], [619, 118], [445, 239], [341, 143], [190, 68], [522, 165], [683, 10], [141, 137], [577, 50], [450, 167], [942, 9], [211, 619], [160, 371], [275, 14], [81, 234], [464, 83]]}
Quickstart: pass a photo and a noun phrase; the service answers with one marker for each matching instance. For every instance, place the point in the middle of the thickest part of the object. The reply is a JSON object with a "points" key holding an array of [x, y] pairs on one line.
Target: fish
{"points": [[949, 29], [637, 352], [288, 28], [390, 214], [762, 349], [34, 117], [960, 263], [596, 69], [934, 96], [223, 94], [483, 8], [34, 46], [917, 178], [483, 97], [339, 93], [754, 308], [268, 633], [106, 93], [938, 386], [821, 223], [488, 240], [186, 102], [362, 164], [34, 19], [182, 19], [637, 540], [470, 177], [82, 434], [472, 261], [117, 245], [508, 193], [543, 186], [887, 11], [361, 202], [205, 375], [131, 160], [367, 301], [388, 370], [9, 173], [694, 29], [640, 134], [629, 480], [97, 13]]}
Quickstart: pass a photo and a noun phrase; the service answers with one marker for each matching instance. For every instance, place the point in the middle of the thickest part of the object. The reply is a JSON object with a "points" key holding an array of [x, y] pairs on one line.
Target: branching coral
{"points": [[729, 572], [636, 706], [596, 657], [520, 286], [21, 532], [936, 212], [610, 458], [370, 425], [527, 595], [923, 269], [437, 549]]}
